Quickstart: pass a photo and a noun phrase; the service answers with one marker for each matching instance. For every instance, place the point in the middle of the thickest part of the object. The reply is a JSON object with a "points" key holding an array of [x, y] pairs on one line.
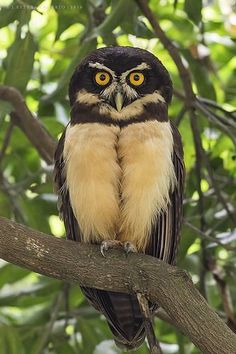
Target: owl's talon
{"points": [[104, 247], [109, 244], [129, 247]]}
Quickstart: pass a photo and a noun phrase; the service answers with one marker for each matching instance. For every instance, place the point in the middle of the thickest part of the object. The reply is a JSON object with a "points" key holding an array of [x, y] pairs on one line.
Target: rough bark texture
{"points": [[160, 282]]}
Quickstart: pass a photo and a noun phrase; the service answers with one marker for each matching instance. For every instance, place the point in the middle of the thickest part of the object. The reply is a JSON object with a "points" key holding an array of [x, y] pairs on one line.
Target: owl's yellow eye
{"points": [[102, 78], [136, 78]]}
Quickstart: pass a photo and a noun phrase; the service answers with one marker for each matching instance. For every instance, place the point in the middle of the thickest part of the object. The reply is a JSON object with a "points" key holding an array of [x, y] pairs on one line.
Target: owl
{"points": [[119, 170]]}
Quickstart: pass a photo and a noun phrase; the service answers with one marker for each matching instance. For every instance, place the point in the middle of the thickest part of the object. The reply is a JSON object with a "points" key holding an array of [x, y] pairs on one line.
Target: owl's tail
{"points": [[123, 314], [128, 323], [134, 316]]}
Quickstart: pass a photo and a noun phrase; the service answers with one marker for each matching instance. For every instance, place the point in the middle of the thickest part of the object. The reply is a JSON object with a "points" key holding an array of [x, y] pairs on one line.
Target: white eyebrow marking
{"points": [[103, 67], [141, 66]]}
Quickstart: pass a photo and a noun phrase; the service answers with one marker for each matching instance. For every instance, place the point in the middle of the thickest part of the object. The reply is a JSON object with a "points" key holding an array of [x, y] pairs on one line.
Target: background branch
{"points": [[6, 141], [173, 51], [31, 126], [72, 262]]}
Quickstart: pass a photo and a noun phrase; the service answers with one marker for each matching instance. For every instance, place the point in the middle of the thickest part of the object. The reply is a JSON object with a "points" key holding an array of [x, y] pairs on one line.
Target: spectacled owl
{"points": [[119, 169]]}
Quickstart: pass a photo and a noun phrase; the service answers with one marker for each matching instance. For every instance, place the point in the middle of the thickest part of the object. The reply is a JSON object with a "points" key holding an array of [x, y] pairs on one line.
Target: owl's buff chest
{"points": [[118, 179]]}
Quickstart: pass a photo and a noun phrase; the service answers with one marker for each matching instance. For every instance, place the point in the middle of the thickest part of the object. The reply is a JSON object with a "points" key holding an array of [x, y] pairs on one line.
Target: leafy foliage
{"points": [[41, 43]]}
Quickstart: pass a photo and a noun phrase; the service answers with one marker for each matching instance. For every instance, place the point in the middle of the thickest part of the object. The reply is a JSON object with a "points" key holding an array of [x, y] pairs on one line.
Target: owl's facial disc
{"points": [[120, 82], [119, 89]]}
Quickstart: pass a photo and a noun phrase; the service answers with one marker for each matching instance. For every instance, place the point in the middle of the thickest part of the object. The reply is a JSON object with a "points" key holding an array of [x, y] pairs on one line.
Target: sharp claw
{"points": [[103, 248], [129, 247]]}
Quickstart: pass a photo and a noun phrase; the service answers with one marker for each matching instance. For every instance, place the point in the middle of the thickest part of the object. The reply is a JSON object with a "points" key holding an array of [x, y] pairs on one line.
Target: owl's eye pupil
{"points": [[136, 78], [102, 77]]}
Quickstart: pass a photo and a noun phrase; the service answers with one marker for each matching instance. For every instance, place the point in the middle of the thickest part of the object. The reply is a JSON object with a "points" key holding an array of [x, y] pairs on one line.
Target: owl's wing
{"points": [[121, 310], [64, 206], [165, 232]]}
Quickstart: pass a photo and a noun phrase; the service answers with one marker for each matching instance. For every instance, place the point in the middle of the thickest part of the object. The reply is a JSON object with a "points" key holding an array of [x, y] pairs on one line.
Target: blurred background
{"points": [[41, 42]]}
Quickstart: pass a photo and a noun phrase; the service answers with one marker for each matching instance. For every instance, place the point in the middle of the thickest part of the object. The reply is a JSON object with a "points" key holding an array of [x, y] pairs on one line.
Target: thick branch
{"points": [[160, 282], [30, 125]]}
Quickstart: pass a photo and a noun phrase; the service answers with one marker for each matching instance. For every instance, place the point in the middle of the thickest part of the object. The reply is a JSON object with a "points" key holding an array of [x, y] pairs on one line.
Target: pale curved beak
{"points": [[119, 100]]}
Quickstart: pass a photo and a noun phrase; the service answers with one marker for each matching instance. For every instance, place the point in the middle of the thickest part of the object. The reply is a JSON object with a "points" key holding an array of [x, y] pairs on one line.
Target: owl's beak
{"points": [[119, 100]]}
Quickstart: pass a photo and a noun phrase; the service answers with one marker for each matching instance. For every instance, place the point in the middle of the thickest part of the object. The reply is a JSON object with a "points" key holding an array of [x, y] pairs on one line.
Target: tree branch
{"points": [[207, 236], [43, 340], [172, 49], [160, 282], [189, 97], [201, 202], [6, 141], [30, 125], [200, 105]]}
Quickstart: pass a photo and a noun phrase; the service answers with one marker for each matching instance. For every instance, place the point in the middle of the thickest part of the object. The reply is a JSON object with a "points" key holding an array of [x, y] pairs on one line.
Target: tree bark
{"points": [[74, 262]]}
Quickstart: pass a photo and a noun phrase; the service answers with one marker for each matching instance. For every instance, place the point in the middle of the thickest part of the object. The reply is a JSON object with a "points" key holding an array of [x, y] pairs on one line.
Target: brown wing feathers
{"points": [[64, 206]]}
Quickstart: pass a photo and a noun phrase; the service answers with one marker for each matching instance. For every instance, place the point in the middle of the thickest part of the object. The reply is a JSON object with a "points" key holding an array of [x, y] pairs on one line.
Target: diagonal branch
{"points": [[189, 96], [160, 282], [172, 49], [31, 126]]}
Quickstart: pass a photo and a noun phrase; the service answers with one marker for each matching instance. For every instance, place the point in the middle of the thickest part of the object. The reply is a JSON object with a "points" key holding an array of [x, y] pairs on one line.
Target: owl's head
{"points": [[120, 80]]}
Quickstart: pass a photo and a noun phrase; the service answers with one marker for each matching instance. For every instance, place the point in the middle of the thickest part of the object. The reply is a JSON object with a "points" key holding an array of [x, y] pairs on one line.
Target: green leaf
{"points": [[69, 12], [35, 210], [120, 11], [20, 62], [5, 206], [187, 239], [201, 76], [10, 274], [63, 348], [136, 27], [5, 108], [86, 47], [33, 294], [10, 341], [17, 11], [193, 9], [7, 15], [92, 331]]}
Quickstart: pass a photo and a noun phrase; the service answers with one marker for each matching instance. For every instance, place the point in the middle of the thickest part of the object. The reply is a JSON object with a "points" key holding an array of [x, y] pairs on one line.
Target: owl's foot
{"points": [[111, 244], [129, 247]]}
